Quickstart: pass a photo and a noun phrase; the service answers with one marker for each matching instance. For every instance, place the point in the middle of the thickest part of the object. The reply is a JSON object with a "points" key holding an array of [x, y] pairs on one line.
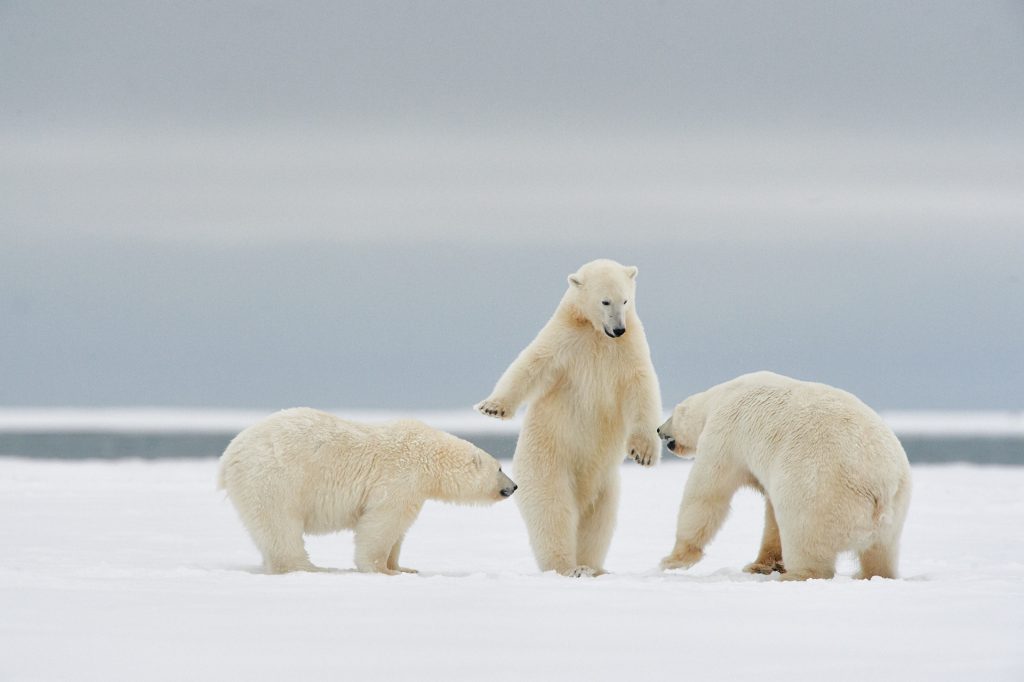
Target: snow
{"points": [[465, 421], [140, 570]]}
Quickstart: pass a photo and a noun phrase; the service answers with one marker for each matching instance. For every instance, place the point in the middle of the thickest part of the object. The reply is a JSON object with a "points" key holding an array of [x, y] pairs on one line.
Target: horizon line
{"points": [[465, 420]]}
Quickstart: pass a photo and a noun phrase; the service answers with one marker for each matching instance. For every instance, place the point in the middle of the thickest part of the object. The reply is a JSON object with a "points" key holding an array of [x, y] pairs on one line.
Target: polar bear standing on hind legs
{"points": [[593, 398]]}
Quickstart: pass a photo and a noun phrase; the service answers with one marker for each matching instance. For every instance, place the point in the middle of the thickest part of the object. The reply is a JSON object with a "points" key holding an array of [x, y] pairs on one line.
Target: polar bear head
{"points": [[682, 430], [467, 475], [601, 293]]}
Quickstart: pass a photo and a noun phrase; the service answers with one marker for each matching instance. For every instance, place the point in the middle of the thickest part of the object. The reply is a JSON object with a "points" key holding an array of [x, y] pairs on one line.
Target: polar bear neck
{"points": [[568, 315], [449, 469]]}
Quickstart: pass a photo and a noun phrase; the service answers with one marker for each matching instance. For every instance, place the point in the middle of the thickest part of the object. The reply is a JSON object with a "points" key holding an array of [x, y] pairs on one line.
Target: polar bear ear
{"points": [[631, 271], [575, 280]]}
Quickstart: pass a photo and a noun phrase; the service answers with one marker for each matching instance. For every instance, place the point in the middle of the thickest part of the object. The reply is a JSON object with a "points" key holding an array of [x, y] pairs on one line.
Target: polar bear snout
{"points": [[506, 486], [665, 433], [615, 332]]}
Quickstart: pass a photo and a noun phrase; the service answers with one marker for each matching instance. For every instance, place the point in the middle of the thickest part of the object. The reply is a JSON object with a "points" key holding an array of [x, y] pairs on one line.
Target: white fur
{"points": [[834, 476], [593, 398], [305, 471]]}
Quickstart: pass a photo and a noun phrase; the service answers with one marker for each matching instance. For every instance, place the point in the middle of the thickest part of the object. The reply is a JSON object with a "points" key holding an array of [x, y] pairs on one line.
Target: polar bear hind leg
{"points": [[882, 557], [552, 525], [396, 549], [807, 543], [596, 527], [280, 541], [769, 557]]}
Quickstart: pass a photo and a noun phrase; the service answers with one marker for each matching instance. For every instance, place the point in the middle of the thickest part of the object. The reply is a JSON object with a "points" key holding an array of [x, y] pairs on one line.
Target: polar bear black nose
{"points": [[618, 331], [507, 492], [671, 444]]}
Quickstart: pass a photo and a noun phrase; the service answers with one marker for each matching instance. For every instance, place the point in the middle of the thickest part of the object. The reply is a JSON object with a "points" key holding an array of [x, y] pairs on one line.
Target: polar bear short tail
{"points": [[886, 519], [869, 530]]}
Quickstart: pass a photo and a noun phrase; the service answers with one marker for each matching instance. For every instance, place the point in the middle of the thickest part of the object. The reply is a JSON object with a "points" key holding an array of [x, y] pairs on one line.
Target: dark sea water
{"points": [[988, 449]]}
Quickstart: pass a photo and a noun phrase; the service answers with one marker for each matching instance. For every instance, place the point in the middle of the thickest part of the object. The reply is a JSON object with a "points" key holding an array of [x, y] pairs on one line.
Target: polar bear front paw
{"points": [[494, 408], [682, 558], [644, 449]]}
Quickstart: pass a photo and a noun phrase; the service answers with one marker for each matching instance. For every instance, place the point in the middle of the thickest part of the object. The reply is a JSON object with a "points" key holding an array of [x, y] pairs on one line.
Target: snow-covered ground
{"points": [[133, 570]]}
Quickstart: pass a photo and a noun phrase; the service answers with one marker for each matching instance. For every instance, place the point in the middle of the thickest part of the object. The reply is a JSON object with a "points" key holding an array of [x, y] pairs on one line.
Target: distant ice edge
{"points": [[164, 420]]}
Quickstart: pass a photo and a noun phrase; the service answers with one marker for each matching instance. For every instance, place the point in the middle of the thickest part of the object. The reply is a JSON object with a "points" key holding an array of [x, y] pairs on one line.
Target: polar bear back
{"points": [[813, 432], [323, 468]]}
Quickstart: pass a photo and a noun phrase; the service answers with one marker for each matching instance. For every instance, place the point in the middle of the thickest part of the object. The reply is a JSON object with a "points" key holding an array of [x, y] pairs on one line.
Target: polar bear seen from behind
{"points": [[305, 471], [593, 398], [834, 476]]}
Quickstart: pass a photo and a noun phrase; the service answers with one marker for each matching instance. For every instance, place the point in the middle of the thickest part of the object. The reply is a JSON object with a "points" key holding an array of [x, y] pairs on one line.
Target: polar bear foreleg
{"points": [[643, 444], [700, 517], [377, 532], [702, 512], [527, 374]]}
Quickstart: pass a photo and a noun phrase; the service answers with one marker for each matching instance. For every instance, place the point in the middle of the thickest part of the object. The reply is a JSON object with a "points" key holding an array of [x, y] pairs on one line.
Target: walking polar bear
{"points": [[593, 397], [305, 471], [834, 476]]}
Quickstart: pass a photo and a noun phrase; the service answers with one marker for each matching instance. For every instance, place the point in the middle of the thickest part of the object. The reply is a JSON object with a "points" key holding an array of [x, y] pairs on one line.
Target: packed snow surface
{"points": [[131, 570]]}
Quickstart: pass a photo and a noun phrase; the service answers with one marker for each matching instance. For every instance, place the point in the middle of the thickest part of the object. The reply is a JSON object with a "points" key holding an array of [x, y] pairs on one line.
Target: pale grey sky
{"points": [[376, 204], [843, 64]]}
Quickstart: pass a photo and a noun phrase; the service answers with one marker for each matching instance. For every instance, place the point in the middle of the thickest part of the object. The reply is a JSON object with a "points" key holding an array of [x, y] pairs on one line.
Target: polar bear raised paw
{"points": [[493, 408], [644, 449]]}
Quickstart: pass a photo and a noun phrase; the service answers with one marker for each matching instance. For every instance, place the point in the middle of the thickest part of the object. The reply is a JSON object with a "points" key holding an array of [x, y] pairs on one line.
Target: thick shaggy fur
{"points": [[834, 476], [305, 471], [593, 398]]}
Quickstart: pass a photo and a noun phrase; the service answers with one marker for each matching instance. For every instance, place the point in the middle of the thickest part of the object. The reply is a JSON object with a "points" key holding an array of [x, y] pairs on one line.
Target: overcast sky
{"points": [[376, 204]]}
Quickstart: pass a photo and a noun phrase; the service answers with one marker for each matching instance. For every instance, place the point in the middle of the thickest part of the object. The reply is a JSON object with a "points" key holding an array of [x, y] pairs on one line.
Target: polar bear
{"points": [[593, 397], [305, 471], [834, 476]]}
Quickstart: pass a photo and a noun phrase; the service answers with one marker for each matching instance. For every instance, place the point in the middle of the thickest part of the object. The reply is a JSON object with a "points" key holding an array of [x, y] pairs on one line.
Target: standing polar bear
{"points": [[834, 476], [305, 471], [593, 397]]}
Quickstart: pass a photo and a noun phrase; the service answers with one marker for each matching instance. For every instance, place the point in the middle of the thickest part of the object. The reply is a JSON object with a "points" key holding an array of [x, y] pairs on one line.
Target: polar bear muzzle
{"points": [[665, 433], [665, 430], [506, 485]]}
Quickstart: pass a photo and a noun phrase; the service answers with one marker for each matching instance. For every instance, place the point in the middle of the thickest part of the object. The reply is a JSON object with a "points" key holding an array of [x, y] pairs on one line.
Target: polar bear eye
{"points": [[606, 302], [625, 302]]}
